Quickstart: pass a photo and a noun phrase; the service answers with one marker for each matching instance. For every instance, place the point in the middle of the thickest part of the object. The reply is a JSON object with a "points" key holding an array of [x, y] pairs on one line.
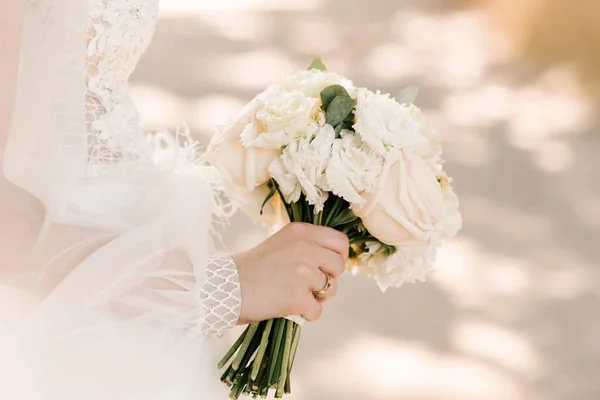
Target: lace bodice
{"points": [[119, 31]]}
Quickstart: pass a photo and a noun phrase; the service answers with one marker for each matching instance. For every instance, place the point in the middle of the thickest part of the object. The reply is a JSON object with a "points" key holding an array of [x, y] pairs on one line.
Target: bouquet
{"points": [[319, 150]]}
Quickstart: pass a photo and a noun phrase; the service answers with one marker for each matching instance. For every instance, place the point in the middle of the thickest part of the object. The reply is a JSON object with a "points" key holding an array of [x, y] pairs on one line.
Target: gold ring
{"points": [[323, 291]]}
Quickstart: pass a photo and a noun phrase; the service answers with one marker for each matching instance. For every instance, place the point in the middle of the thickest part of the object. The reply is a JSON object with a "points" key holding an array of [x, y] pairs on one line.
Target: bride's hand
{"points": [[278, 277]]}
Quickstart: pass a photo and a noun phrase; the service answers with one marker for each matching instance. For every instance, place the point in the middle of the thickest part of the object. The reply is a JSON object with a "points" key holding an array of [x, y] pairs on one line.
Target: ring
{"points": [[323, 291]]}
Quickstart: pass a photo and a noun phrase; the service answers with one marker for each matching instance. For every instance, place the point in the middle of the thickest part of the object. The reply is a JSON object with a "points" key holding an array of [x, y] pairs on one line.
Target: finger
{"points": [[330, 239], [329, 294], [313, 308], [320, 283], [330, 262]]}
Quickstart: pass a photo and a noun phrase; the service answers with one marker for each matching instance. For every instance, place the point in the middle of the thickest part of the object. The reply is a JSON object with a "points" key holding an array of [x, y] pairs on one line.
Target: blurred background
{"points": [[514, 88]]}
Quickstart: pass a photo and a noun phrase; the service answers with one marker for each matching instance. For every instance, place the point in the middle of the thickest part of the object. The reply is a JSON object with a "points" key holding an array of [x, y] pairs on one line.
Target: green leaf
{"points": [[318, 65], [339, 109], [343, 218], [330, 93], [408, 95], [269, 197], [338, 129]]}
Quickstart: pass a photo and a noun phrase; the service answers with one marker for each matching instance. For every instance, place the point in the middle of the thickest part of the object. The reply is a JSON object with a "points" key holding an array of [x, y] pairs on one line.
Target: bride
{"points": [[108, 289]]}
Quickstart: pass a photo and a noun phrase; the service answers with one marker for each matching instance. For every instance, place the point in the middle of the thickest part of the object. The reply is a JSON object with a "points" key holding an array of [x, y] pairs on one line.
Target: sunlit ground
{"points": [[514, 311]]}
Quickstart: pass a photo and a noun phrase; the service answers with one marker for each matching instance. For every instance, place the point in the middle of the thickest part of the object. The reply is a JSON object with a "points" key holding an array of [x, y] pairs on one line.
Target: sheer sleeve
{"points": [[116, 278], [221, 296]]}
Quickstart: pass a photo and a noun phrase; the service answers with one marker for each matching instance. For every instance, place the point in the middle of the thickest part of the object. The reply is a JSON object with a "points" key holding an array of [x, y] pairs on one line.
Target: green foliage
{"points": [[318, 65], [338, 107], [343, 218], [330, 93], [408, 95]]}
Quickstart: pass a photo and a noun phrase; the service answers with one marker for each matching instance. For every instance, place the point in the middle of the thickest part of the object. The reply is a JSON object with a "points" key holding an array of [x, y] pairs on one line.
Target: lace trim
{"points": [[221, 296]]}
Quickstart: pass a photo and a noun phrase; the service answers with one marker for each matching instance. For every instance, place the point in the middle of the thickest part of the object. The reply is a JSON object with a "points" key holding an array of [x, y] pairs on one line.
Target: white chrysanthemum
{"points": [[354, 168], [386, 125], [281, 116], [452, 218], [312, 82], [301, 166], [431, 150], [407, 265]]}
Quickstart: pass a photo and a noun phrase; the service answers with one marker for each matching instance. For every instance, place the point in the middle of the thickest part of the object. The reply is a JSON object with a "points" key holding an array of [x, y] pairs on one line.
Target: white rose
{"points": [[407, 206], [301, 166], [354, 168], [312, 82], [274, 215], [452, 218], [241, 167], [383, 123], [280, 117]]}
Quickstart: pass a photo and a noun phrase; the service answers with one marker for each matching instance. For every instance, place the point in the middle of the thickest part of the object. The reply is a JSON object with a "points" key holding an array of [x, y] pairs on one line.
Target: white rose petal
{"points": [[407, 207], [312, 82], [280, 117], [452, 218], [243, 167]]}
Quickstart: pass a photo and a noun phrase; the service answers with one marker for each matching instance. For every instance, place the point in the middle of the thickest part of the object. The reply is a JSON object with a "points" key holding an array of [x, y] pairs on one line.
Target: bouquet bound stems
{"points": [[262, 357]]}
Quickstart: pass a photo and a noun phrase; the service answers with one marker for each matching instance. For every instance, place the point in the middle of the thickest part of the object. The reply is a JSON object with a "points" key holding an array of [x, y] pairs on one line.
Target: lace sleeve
{"points": [[221, 296]]}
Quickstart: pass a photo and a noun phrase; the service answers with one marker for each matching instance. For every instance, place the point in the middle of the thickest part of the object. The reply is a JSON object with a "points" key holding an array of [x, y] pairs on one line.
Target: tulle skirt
{"points": [[61, 337]]}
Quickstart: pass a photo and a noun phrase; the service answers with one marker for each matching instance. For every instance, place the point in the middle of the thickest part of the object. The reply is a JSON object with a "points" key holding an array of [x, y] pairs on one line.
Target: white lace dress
{"points": [[111, 294]]}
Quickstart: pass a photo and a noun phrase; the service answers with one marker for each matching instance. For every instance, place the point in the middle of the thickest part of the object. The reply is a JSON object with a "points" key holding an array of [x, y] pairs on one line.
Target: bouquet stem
{"points": [[262, 357]]}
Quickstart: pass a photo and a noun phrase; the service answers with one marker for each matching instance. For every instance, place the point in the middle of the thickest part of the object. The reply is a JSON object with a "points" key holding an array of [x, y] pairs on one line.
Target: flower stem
{"points": [[295, 342], [258, 382], [285, 361], [276, 353], [247, 339], [233, 349], [318, 218], [297, 212], [256, 364], [225, 375]]}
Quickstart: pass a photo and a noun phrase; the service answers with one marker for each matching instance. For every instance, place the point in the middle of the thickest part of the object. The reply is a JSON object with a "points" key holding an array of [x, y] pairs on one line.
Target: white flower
{"points": [[406, 265], [431, 149], [274, 215], [281, 116], [386, 125], [370, 262], [354, 168], [407, 207], [452, 218], [243, 167], [312, 82], [301, 166]]}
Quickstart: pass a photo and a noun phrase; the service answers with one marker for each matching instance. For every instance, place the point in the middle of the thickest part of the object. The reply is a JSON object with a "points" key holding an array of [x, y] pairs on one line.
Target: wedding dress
{"points": [[107, 289]]}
